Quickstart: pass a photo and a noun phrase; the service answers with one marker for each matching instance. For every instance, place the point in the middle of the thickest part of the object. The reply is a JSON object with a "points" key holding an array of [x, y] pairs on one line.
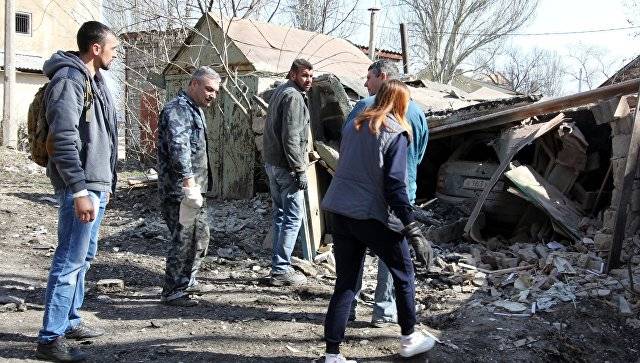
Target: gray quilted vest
{"points": [[357, 189]]}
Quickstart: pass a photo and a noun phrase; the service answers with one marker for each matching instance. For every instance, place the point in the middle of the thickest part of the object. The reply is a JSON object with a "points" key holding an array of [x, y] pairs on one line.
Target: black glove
{"points": [[421, 245], [301, 180]]}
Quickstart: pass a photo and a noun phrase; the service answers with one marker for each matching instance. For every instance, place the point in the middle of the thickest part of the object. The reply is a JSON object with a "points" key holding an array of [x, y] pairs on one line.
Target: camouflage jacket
{"points": [[182, 147]]}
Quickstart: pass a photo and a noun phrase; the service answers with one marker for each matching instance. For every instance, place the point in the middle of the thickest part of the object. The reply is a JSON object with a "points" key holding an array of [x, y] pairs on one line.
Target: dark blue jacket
{"points": [[85, 143], [419, 140]]}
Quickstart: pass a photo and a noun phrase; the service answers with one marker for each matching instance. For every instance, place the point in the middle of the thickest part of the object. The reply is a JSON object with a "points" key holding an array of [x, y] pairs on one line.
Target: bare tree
{"points": [[589, 65], [322, 16], [537, 71], [447, 32], [151, 32]]}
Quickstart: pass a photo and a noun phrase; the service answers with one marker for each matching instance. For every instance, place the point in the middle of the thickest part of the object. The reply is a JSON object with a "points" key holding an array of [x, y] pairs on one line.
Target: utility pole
{"points": [[9, 125], [403, 44], [580, 81], [372, 32]]}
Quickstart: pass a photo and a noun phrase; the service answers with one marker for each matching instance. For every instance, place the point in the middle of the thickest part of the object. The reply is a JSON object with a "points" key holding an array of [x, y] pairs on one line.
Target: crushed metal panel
{"points": [[563, 211]]}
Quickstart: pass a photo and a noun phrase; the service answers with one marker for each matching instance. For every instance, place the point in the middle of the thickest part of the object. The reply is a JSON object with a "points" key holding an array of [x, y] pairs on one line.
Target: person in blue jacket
{"points": [[384, 307], [368, 201]]}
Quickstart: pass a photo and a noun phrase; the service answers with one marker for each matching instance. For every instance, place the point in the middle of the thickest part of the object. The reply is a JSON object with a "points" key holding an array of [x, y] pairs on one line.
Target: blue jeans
{"points": [[77, 247], [384, 305], [288, 212]]}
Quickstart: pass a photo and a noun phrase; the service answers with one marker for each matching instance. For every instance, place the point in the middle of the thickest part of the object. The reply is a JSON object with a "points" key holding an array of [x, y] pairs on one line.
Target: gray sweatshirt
{"points": [[84, 144]]}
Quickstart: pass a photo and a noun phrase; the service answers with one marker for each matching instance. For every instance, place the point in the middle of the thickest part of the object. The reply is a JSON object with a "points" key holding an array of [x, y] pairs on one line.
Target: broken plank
{"points": [[625, 193], [563, 212]]}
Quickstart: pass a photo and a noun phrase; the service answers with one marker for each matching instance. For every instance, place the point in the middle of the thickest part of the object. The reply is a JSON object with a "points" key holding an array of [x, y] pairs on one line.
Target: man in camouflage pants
{"points": [[183, 176]]}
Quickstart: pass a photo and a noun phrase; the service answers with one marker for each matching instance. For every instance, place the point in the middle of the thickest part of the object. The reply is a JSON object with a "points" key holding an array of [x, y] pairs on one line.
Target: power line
{"points": [[590, 31]]}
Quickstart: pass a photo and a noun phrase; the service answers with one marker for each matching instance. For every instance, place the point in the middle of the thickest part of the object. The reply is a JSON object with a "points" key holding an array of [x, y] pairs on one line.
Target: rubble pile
{"points": [[522, 278]]}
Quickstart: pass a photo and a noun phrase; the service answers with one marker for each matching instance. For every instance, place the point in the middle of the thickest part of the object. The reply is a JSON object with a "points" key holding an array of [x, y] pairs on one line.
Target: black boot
{"points": [[82, 332], [59, 351]]}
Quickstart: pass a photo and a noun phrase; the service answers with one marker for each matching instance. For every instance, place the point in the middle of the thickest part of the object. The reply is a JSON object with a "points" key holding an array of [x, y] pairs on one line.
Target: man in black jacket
{"points": [[82, 148], [285, 157]]}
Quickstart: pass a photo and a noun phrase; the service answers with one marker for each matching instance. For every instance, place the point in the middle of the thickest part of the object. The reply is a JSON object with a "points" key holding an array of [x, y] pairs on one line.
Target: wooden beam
{"points": [[630, 168], [535, 109]]}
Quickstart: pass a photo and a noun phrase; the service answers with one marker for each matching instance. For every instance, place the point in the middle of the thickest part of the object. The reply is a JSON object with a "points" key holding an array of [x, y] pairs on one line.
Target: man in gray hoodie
{"points": [[82, 147]]}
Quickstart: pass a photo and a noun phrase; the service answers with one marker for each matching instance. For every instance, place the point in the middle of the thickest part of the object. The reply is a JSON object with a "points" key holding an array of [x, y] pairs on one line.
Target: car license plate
{"points": [[480, 184]]}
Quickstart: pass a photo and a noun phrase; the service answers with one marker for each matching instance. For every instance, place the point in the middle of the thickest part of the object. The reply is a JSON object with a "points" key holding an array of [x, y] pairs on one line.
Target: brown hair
{"points": [[392, 98]]}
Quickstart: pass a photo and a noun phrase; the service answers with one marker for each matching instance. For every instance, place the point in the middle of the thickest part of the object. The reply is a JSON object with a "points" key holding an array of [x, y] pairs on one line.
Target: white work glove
{"points": [[190, 205]]}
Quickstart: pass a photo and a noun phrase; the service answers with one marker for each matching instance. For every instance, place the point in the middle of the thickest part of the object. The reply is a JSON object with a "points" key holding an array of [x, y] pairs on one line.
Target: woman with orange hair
{"points": [[368, 201]]}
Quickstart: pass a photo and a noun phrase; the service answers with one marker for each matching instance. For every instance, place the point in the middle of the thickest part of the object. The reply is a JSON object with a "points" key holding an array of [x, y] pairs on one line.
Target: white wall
{"points": [[27, 84]]}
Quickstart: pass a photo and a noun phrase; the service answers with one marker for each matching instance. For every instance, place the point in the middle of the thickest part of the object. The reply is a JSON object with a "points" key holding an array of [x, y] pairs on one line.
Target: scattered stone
{"points": [[510, 306], [149, 291], [556, 246], [306, 267], [633, 323], [226, 253], [528, 255], [588, 241], [12, 303], [624, 307], [110, 285], [468, 289], [604, 292], [560, 326], [255, 268], [523, 282]]}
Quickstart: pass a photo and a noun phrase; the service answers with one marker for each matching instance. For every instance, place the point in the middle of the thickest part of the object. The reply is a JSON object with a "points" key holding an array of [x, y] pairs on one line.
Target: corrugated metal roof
{"points": [[272, 48], [25, 62]]}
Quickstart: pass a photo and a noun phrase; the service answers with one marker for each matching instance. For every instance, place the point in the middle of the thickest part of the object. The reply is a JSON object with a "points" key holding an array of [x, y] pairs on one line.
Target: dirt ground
{"points": [[246, 321]]}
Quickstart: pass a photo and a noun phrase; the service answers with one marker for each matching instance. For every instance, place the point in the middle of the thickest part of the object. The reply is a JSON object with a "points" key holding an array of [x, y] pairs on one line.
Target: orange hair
{"points": [[392, 98]]}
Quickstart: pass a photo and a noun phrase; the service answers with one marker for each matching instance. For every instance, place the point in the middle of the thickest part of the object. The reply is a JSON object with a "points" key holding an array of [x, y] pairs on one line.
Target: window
{"points": [[23, 23]]}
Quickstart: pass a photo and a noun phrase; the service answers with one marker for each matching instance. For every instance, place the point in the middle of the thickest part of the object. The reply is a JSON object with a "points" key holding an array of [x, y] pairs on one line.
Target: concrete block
{"points": [[609, 219], [634, 204], [615, 197], [602, 241], [110, 285], [622, 126], [620, 145], [604, 111], [617, 170]]}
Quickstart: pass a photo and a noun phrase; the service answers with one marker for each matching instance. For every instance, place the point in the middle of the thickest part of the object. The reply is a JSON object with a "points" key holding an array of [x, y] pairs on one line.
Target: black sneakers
{"points": [[60, 351], [82, 331]]}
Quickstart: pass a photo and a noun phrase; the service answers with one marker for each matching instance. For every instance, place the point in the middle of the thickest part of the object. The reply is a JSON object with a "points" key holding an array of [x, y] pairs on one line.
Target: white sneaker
{"points": [[336, 358], [415, 344]]}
